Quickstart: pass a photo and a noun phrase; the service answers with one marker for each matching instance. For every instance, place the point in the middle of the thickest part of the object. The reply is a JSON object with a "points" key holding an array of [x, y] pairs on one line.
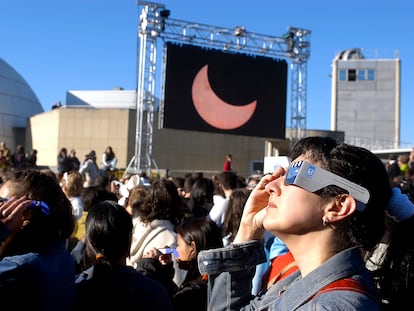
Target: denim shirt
{"points": [[230, 270], [38, 281]]}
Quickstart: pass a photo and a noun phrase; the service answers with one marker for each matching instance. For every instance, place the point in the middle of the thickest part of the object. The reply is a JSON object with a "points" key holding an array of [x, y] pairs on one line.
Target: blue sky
{"points": [[61, 45]]}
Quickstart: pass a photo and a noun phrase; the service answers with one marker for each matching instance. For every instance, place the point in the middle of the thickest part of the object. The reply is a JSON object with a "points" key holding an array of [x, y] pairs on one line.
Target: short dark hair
{"points": [[228, 180]]}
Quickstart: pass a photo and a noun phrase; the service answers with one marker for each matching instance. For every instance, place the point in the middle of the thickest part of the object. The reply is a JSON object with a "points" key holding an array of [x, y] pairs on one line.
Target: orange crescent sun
{"points": [[214, 110]]}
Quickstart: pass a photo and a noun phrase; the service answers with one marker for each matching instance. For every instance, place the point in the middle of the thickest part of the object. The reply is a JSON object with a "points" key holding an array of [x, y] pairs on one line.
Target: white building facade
{"points": [[365, 101]]}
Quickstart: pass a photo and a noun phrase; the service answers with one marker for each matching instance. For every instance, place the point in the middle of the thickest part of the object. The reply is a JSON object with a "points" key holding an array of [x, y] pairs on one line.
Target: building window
{"points": [[361, 75], [352, 75], [356, 75], [371, 74], [342, 75]]}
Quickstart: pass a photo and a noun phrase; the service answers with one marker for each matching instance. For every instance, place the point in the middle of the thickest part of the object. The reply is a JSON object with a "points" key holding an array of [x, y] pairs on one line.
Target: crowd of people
{"points": [[18, 159], [328, 232]]}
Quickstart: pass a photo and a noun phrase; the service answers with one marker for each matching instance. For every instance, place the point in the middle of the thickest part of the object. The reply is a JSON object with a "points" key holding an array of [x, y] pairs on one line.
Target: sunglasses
{"points": [[34, 204], [313, 178], [168, 251]]}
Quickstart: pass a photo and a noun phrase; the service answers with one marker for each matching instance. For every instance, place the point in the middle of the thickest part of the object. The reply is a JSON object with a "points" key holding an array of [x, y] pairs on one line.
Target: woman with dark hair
{"points": [[233, 214], [395, 275], [63, 162], [328, 208], [156, 219], [193, 235], [110, 282], [89, 196], [36, 270], [201, 197], [109, 160]]}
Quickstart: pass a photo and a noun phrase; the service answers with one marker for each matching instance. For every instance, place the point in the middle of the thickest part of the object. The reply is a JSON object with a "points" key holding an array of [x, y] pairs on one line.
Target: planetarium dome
{"points": [[18, 103]]}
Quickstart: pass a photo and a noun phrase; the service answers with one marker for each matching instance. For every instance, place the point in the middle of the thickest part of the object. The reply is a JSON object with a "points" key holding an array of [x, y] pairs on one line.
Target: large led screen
{"points": [[230, 93]]}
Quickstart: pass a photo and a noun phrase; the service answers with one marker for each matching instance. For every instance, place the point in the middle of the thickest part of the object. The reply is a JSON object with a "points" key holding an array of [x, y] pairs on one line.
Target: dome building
{"points": [[18, 103]]}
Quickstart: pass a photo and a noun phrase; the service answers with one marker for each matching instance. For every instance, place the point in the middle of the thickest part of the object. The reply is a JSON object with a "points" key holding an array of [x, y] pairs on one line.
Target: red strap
{"points": [[349, 284], [345, 284], [280, 267], [284, 265]]}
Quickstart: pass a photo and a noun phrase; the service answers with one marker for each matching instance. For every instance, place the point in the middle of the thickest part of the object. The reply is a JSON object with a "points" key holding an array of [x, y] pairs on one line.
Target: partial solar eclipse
{"points": [[215, 111]]}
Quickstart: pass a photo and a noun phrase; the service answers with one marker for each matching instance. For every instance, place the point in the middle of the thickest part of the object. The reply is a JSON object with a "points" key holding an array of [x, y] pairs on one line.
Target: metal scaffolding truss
{"points": [[155, 23]]}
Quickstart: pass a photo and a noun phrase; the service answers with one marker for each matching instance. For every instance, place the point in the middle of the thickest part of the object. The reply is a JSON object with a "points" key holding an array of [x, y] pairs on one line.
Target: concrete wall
{"points": [[369, 111], [83, 129], [177, 151]]}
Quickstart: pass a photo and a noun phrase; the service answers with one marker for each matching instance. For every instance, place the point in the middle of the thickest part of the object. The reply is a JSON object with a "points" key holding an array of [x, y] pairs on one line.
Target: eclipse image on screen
{"points": [[222, 92]]}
